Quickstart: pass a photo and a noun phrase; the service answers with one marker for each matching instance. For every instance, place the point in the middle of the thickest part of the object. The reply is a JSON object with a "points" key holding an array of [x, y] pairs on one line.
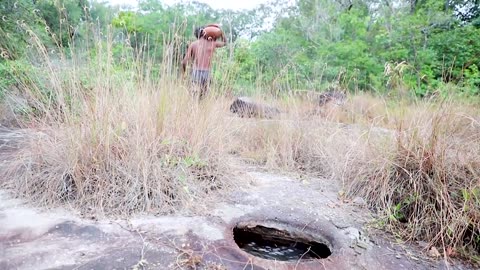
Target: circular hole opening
{"points": [[281, 245]]}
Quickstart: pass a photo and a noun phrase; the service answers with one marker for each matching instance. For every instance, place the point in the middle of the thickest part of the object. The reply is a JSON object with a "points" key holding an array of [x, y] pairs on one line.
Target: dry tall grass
{"points": [[113, 140], [425, 182], [127, 153]]}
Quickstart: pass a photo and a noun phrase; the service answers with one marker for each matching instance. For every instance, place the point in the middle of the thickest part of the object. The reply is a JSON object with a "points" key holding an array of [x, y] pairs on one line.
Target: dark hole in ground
{"points": [[274, 244]]}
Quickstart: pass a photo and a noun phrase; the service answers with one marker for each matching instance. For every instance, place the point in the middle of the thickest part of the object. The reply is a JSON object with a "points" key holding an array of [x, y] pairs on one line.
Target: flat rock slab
{"points": [[37, 238]]}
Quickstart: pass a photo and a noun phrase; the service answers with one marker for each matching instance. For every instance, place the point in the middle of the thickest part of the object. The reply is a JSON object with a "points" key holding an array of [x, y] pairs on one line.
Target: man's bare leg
{"points": [[203, 91]]}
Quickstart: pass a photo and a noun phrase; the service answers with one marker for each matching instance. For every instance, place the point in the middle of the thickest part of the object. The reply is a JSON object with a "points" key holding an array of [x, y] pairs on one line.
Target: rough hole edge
{"points": [[321, 232]]}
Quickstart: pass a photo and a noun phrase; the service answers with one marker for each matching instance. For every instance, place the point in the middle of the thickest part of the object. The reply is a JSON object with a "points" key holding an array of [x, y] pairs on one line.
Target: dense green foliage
{"points": [[412, 46]]}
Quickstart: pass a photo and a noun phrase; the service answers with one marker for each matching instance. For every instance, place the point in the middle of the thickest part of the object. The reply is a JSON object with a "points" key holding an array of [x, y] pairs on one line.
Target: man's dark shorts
{"points": [[201, 77]]}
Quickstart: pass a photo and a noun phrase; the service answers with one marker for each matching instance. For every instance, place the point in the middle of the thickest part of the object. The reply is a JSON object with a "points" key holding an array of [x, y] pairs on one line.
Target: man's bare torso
{"points": [[202, 52]]}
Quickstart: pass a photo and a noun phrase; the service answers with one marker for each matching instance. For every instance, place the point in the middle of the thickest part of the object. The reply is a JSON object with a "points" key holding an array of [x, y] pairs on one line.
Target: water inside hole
{"points": [[273, 244]]}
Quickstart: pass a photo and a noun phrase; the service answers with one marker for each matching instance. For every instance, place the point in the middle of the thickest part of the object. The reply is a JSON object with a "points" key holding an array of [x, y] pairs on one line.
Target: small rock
{"points": [[359, 201], [423, 244], [362, 244], [340, 223], [433, 252], [353, 233], [398, 256], [305, 182], [358, 250]]}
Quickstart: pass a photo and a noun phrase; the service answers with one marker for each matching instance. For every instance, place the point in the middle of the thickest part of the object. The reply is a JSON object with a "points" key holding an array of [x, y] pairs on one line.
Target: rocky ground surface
{"points": [[32, 237]]}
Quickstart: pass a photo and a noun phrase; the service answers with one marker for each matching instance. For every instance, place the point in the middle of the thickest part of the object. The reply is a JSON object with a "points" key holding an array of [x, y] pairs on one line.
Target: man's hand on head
{"points": [[223, 42]]}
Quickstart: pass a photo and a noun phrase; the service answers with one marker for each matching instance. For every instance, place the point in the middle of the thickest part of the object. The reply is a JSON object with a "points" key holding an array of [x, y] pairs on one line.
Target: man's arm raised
{"points": [[222, 43]]}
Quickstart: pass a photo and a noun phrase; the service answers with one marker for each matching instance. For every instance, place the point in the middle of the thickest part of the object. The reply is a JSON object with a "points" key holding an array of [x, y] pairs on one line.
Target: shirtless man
{"points": [[202, 51]]}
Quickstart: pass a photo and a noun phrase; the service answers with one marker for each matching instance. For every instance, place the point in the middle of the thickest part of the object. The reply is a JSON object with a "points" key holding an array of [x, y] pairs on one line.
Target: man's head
{"points": [[199, 32]]}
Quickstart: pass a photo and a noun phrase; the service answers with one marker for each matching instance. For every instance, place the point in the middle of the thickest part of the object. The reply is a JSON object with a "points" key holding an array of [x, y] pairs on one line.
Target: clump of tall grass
{"points": [[421, 176], [126, 154], [112, 138], [426, 181]]}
